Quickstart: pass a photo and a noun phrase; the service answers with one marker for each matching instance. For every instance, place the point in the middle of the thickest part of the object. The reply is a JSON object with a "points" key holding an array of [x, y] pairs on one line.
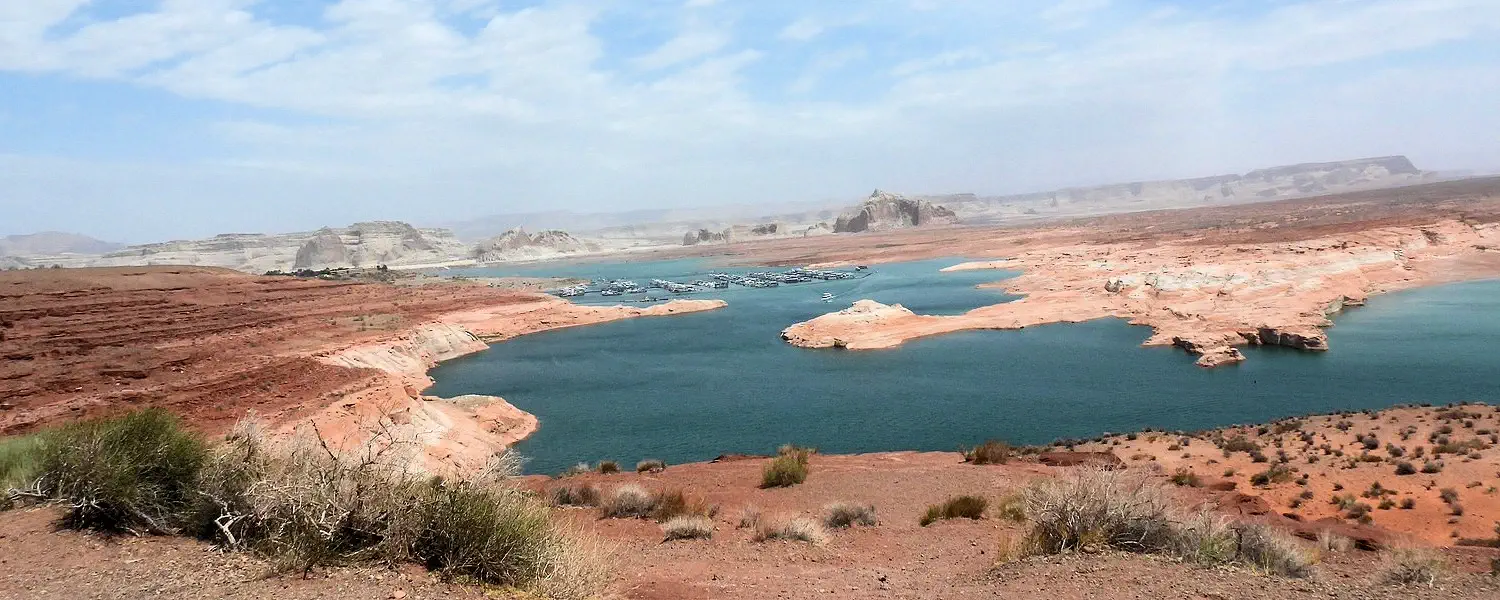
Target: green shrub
{"points": [[844, 514], [1278, 473], [1187, 478], [957, 507], [785, 471], [20, 461], [992, 452], [469, 530], [136, 472]]}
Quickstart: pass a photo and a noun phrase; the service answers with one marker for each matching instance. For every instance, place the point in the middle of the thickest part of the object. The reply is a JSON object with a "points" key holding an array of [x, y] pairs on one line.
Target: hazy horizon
{"points": [[138, 122]]}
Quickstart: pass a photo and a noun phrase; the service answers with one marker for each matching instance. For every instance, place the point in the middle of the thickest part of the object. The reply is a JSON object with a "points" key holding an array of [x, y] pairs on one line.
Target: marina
{"points": [[612, 288]]}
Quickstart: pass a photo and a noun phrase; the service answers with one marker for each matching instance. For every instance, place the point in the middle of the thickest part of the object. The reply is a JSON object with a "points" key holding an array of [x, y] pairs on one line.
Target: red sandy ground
{"points": [[210, 344]]}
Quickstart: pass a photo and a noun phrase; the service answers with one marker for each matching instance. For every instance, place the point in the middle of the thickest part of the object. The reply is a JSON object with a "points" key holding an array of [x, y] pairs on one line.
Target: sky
{"points": [[138, 120]]}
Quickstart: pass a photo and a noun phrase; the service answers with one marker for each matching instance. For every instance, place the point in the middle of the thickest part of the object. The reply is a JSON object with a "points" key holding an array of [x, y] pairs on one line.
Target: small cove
{"points": [[691, 387]]}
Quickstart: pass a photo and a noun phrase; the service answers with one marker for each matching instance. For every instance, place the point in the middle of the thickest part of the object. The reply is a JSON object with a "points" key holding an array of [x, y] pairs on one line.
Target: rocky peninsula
{"points": [[1201, 288]]}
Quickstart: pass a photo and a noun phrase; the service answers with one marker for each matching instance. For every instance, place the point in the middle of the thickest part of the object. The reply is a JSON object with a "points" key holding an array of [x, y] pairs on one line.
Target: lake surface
{"points": [[692, 387]]}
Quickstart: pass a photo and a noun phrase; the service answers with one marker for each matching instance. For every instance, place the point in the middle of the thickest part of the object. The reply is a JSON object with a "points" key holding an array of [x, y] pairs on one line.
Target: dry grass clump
{"points": [[629, 501], [575, 495], [957, 507], [1012, 507], [800, 529], [1412, 566], [785, 470], [992, 452], [688, 527], [843, 514], [1095, 508], [1331, 542], [606, 467], [749, 517], [650, 465]]}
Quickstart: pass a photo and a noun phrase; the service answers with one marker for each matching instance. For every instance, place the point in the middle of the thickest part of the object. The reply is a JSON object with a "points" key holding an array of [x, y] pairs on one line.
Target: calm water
{"points": [[691, 387]]}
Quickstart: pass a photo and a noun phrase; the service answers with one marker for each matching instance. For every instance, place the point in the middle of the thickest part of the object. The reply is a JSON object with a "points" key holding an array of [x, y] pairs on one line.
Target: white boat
{"points": [[827, 297]]}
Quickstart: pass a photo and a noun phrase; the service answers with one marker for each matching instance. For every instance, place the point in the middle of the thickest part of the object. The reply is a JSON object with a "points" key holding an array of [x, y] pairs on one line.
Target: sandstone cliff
{"points": [[1275, 183], [516, 244], [885, 211], [390, 243]]}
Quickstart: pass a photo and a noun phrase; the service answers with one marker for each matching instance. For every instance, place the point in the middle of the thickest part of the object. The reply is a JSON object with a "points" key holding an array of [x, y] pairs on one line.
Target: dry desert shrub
{"points": [[575, 495], [843, 514], [688, 527], [1012, 507], [607, 467], [629, 501], [302, 505], [801, 529], [677, 503], [1412, 566], [1098, 508], [749, 517], [650, 466], [1095, 507], [957, 507], [992, 452], [1331, 542]]}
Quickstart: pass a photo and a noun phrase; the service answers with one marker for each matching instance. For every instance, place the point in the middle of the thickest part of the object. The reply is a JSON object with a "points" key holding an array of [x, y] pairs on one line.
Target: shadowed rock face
{"points": [[884, 211], [374, 243], [516, 244], [326, 248]]}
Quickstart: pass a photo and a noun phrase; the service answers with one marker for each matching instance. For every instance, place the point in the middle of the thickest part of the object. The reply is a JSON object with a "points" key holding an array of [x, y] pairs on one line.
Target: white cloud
{"points": [[689, 45], [390, 102], [802, 29]]}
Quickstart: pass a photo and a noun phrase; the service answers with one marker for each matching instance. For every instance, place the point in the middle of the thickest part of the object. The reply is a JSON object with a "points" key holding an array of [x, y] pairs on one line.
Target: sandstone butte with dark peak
{"points": [[884, 211]]}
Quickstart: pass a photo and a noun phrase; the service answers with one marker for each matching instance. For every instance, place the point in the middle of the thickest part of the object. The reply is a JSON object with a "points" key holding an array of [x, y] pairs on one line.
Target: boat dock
{"points": [[610, 288]]}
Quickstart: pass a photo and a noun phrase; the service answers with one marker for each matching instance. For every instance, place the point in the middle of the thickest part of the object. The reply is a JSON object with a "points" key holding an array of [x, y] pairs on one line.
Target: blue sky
{"points": [[136, 120]]}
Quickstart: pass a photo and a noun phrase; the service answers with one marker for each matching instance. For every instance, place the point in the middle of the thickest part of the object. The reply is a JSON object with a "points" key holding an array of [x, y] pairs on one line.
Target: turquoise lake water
{"points": [[692, 387]]}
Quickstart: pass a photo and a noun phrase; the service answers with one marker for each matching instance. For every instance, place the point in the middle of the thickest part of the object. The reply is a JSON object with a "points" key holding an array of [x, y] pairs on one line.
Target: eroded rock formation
{"points": [[516, 244], [884, 211]]}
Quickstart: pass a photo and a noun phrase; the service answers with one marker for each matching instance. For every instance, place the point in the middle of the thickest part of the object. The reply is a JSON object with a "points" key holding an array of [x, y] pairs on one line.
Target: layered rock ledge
{"points": [[1202, 297], [451, 434]]}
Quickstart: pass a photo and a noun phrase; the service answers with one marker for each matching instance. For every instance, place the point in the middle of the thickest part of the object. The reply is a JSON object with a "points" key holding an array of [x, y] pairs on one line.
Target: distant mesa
{"points": [[885, 211], [516, 244], [52, 243], [737, 232]]}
